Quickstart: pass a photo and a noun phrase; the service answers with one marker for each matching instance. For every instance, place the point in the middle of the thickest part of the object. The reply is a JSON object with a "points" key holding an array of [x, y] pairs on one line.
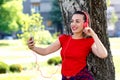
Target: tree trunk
{"points": [[102, 69]]}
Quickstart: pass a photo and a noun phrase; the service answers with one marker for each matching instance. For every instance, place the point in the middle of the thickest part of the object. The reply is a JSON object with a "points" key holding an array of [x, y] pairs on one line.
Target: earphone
{"points": [[86, 21]]}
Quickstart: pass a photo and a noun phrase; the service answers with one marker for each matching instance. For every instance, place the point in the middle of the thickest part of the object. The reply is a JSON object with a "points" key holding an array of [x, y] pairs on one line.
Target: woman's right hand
{"points": [[31, 43]]}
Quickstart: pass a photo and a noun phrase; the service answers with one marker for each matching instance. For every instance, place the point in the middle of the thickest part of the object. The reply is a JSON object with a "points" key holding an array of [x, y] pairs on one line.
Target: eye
{"points": [[77, 21], [71, 21]]}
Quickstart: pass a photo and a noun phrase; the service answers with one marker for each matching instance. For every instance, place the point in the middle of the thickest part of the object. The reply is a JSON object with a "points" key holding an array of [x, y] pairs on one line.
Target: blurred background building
{"points": [[116, 5], [114, 29], [43, 7]]}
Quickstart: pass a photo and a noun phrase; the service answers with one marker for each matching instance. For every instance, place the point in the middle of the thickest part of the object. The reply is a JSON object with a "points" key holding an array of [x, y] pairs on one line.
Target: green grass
{"points": [[15, 45], [115, 43], [17, 76], [10, 42], [116, 60], [12, 45], [13, 57], [45, 72]]}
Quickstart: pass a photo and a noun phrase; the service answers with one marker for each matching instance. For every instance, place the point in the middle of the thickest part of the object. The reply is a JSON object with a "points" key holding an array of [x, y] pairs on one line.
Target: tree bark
{"points": [[102, 69]]}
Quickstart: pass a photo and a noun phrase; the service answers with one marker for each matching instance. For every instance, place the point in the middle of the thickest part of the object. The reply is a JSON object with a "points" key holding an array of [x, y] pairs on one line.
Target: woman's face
{"points": [[77, 23]]}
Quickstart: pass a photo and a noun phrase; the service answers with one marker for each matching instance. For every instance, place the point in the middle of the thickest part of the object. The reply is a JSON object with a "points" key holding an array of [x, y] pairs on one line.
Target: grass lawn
{"points": [[45, 72], [16, 46], [116, 60], [20, 76]]}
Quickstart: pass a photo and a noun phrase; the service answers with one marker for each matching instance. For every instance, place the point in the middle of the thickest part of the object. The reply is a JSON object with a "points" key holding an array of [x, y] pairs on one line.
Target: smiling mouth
{"points": [[74, 28]]}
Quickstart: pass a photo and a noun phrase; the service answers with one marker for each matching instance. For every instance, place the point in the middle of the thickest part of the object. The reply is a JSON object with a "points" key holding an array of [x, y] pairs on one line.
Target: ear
{"points": [[87, 20], [85, 24]]}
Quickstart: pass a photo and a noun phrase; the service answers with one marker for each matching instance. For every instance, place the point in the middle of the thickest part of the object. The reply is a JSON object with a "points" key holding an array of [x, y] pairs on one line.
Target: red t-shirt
{"points": [[74, 53]]}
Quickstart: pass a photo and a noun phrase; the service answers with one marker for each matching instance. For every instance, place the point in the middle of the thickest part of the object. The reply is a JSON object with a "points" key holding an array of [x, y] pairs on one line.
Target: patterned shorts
{"points": [[84, 74]]}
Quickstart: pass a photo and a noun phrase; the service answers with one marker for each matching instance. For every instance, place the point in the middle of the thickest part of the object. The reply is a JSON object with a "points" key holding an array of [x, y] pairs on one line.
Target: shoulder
{"points": [[90, 40], [63, 37]]}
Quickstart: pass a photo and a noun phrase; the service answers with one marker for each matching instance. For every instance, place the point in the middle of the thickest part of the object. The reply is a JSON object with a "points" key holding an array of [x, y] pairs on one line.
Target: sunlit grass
{"points": [[115, 43], [10, 42], [17, 76], [13, 57], [12, 45], [15, 45], [116, 60], [41, 72]]}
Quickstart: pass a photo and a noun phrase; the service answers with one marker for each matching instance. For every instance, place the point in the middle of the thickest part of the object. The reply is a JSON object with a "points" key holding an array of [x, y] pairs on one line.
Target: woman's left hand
{"points": [[89, 31]]}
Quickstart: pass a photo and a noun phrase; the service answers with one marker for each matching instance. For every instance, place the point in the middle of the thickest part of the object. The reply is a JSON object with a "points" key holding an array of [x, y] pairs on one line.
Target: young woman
{"points": [[75, 48]]}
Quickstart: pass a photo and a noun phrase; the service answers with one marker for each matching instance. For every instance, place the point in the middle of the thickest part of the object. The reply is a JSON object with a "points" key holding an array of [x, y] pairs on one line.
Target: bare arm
{"points": [[44, 51], [97, 47]]}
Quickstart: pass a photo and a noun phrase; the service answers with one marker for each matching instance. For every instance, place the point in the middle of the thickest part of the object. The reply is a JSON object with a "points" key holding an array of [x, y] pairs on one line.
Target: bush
{"points": [[40, 37], [15, 68], [54, 60], [3, 67], [45, 37]]}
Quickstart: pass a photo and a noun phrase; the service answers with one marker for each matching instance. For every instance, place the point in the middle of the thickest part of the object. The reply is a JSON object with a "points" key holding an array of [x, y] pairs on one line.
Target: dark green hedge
{"points": [[4, 68], [54, 60], [15, 68]]}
